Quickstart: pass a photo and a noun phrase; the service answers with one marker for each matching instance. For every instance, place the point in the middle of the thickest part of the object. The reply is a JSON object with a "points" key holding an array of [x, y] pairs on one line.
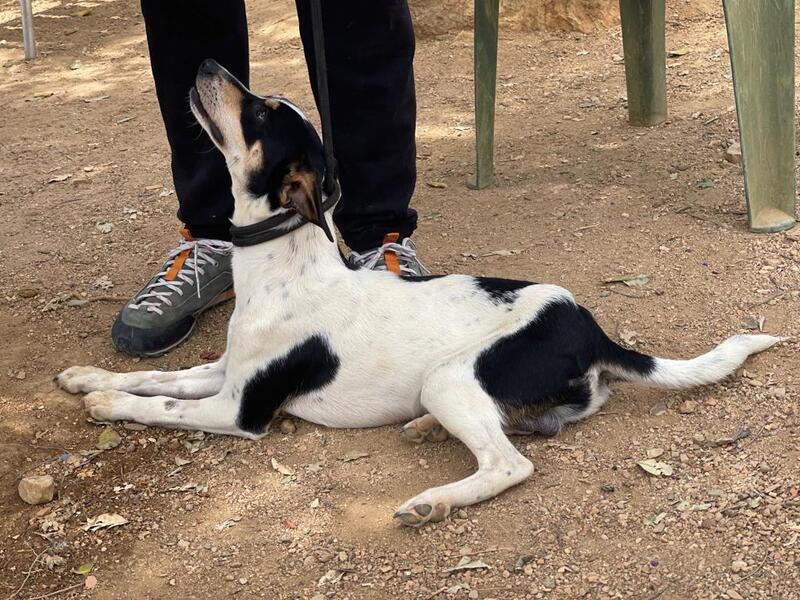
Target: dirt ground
{"points": [[581, 197]]}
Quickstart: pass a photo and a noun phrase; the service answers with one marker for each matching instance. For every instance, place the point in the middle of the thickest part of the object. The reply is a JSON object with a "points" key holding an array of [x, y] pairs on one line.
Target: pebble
{"points": [[734, 154], [473, 594], [243, 580], [738, 566], [27, 292], [734, 595], [549, 583], [288, 426], [688, 407], [37, 489]]}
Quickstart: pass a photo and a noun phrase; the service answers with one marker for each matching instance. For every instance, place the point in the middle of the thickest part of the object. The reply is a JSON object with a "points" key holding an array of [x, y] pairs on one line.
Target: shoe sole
{"points": [[228, 294]]}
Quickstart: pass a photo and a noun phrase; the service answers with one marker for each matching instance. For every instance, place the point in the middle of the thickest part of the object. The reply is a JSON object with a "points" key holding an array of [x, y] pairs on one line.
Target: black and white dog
{"points": [[311, 336]]}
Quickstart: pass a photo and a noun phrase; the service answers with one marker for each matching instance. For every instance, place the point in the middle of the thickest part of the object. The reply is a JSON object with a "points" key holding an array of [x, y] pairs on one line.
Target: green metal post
{"points": [[645, 60], [487, 22], [761, 41]]}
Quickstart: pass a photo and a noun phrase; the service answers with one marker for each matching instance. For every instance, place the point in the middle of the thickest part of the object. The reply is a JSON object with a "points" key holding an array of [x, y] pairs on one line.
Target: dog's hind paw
{"points": [[424, 428], [416, 515]]}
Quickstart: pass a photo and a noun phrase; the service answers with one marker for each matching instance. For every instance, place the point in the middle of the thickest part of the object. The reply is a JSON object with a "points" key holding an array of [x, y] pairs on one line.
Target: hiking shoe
{"points": [[400, 258], [196, 276]]}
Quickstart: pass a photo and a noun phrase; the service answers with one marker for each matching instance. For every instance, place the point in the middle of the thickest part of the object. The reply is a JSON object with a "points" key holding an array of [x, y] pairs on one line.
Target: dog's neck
{"points": [[304, 254]]}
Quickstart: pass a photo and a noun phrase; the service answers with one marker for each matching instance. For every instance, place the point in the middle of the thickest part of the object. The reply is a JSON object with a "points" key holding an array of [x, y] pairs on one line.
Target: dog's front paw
{"points": [[78, 380], [100, 405]]}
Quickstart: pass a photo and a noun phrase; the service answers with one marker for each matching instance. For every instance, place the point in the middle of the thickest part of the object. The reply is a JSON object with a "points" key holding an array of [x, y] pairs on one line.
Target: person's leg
{"points": [[198, 273], [370, 51], [180, 35]]}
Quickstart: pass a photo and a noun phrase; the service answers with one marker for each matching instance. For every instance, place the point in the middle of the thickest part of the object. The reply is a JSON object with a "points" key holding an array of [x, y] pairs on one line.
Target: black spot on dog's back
{"points": [[308, 366], [420, 278], [501, 291]]}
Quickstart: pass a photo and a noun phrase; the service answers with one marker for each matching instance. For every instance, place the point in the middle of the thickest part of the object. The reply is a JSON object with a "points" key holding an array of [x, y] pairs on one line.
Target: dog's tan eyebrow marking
{"points": [[271, 103]]}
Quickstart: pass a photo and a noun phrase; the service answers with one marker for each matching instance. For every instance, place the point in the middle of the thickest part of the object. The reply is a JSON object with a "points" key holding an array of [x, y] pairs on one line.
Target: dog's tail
{"points": [[707, 368]]}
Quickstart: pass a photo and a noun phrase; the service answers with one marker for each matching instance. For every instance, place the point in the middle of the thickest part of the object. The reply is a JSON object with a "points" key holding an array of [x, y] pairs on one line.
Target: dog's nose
{"points": [[208, 67]]}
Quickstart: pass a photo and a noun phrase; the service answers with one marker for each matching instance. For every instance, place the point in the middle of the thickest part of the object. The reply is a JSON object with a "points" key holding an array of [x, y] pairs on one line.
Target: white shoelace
{"points": [[158, 293], [405, 251]]}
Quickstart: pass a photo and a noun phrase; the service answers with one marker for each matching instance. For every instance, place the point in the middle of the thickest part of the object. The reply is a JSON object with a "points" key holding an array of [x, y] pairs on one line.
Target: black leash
{"points": [[331, 170], [283, 223]]}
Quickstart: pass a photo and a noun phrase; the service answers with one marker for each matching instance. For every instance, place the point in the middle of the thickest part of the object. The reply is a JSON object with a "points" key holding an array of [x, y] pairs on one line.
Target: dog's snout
{"points": [[208, 67]]}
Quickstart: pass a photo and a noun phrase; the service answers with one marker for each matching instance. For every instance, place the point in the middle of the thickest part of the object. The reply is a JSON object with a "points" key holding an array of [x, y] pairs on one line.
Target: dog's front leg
{"points": [[198, 382], [214, 414]]}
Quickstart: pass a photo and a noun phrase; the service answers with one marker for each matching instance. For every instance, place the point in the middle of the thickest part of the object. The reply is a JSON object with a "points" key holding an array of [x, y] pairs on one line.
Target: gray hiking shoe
{"points": [[196, 276], [400, 258]]}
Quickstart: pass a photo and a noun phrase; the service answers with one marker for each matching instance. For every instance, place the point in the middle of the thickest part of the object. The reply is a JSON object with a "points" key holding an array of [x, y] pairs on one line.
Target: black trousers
{"points": [[369, 49]]}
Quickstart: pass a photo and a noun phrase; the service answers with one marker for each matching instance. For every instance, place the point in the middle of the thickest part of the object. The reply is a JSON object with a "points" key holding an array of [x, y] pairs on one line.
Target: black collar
{"points": [[275, 227]]}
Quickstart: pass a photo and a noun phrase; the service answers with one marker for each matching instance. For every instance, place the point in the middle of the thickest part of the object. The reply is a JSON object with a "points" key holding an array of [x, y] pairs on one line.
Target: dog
{"points": [[316, 338]]}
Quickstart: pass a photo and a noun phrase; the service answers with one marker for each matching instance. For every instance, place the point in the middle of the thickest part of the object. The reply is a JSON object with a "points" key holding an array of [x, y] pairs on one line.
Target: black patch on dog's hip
{"points": [[307, 367], [501, 291]]}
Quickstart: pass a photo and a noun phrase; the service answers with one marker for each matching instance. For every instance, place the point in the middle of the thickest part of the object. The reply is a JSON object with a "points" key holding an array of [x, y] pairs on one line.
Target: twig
{"points": [[28, 574], [437, 592], [711, 120], [757, 569], [489, 551], [61, 591], [585, 227], [621, 293], [659, 593], [774, 297]]}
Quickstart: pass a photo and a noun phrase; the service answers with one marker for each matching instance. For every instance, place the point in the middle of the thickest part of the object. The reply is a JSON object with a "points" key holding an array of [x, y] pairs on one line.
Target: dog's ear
{"points": [[301, 189]]}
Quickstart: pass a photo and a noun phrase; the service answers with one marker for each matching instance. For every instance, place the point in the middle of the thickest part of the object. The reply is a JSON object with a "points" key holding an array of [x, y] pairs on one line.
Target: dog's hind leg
{"points": [[214, 414], [455, 398], [198, 382], [424, 428]]}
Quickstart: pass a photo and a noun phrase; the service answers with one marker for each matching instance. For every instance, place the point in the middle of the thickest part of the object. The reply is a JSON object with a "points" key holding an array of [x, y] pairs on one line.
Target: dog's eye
{"points": [[261, 114]]}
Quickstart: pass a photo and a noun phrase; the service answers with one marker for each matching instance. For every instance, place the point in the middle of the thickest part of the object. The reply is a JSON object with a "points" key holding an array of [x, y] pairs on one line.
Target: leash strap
{"points": [[331, 170], [286, 222]]}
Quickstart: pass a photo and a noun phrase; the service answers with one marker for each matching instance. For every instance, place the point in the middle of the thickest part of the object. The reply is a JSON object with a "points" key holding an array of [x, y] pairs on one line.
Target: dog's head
{"points": [[273, 153]]}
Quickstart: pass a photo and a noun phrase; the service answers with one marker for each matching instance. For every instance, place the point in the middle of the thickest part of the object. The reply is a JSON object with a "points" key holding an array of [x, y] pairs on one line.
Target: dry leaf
{"points": [[631, 280], [59, 178], [105, 521], [90, 582], [656, 468], [501, 253], [83, 569], [436, 184], [465, 564], [282, 469], [353, 455]]}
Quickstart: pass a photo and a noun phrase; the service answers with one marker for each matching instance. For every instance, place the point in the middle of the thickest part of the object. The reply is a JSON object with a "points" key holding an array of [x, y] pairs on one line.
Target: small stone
{"points": [[37, 489], [549, 583], [183, 544], [778, 392], [288, 426], [734, 595], [764, 467], [243, 580], [473, 594], [738, 566], [108, 439], [734, 154], [27, 292], [608, 488], [688, 407], [699, 438], [654, 452], [172, 582]]}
